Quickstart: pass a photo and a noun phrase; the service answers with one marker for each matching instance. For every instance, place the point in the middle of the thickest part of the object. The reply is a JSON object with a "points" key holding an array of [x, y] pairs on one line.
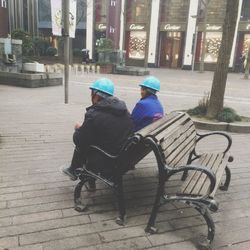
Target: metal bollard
{"points": [[87, 68], [82, 69], [98, 69]]}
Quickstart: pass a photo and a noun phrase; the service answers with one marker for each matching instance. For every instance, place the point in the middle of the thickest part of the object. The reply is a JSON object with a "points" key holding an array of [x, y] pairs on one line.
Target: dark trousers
{"points": [[93, 161], [78, 159]]}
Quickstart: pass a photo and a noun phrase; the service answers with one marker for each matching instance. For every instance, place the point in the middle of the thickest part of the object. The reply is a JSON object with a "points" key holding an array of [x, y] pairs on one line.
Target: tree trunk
{"points": [[247, 68], [220, 75]]}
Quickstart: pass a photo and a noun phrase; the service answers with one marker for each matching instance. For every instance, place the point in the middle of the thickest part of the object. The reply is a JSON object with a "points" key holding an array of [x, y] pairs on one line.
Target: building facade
{"points": [[166, 33], [4, 23], [154, 33]]}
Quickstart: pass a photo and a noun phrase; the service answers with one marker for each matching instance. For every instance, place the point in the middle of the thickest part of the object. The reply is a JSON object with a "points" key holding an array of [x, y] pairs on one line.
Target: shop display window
{"points": [[137, 43], [246, 44], [213, 42]]}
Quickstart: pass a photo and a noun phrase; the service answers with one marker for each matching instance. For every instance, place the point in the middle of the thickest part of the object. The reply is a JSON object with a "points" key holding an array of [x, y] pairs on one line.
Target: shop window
{"points": [[137, 43], [245, 11], [213, 42], [246, 44]]}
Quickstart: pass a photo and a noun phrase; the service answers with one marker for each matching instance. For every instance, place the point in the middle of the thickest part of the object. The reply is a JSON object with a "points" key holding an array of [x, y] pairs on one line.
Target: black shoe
{"points": [[66, 170]]}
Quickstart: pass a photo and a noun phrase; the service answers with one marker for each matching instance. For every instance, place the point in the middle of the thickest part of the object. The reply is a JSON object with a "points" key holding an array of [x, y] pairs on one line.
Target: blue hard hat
{"points": [[151, 82], [103, 85]]}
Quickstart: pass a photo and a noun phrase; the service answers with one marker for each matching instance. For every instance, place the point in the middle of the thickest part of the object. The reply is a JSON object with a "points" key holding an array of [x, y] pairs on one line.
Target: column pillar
{"points": [[90, 28], [193, 10], [235, 35], [153, 35], [122, 20]]}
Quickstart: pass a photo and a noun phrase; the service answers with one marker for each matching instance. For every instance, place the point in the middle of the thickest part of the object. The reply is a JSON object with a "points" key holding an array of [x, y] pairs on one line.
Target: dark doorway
{"points": [[171, 49]]}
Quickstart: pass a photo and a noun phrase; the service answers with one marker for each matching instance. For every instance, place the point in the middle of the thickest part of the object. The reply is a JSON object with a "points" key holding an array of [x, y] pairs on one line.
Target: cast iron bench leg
{"points": [[210, 224], [79, 206], [121, 219], [225, 186], [151, 223]]}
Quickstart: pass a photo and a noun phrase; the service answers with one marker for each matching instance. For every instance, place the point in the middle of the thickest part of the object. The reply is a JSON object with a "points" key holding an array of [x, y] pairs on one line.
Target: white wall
{"points": [[122, 25], [90, 28], [235, 35], [155, 10], [193, 7]]}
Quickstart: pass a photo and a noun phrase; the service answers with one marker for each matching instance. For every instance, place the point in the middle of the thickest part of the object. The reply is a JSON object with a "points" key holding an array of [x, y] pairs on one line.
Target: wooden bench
{"points": [[175, 148], [173, 139], [131, 153]]}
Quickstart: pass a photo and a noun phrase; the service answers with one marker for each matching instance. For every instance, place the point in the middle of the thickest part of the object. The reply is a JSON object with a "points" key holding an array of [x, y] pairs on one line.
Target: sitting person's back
{"points": [[149, 108], [107, 124]]}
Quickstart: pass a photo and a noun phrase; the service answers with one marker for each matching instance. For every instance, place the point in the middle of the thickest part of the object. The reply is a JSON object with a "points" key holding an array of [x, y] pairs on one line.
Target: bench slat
{"points": [[219, 175], [194, 176], [178, 154], [203, 177], [176, 134], [218, 170], [158, 125], [178, 137], [198, 183], [178, 123]]}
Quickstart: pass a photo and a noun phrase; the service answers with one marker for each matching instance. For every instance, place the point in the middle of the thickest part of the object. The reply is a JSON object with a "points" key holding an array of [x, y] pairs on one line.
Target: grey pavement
{"points": [[36, 201]]}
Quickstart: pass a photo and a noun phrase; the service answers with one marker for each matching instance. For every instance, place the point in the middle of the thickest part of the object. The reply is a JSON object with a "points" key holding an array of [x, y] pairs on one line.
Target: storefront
{"points": [[173, 28], [172, 37], [137, 31], [213, 43], [243, 42], [136, 36]]}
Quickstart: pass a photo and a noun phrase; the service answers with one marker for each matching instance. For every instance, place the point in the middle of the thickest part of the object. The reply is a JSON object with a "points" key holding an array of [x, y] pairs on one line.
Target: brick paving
{"points": [[36, 201]]}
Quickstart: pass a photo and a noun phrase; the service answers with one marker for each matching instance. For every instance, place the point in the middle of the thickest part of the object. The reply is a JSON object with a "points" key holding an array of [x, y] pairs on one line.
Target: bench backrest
{"points": [[175, 135]]}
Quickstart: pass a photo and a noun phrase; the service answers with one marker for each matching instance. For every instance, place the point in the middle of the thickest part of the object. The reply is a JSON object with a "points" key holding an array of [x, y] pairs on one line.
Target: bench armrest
{"points": [[204, 170], [228, 137], [103, 152]]}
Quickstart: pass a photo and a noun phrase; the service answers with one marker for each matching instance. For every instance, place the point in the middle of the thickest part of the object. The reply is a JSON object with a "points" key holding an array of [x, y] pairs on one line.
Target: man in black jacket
{"points": [[107, 124]]}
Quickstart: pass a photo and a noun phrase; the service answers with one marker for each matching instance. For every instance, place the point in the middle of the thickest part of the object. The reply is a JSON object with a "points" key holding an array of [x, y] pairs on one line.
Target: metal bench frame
{"points": [[202, 203], [148, 137]]}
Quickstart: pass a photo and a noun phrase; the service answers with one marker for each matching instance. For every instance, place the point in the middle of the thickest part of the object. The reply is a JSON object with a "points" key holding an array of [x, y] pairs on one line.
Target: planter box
{"points": [[106, 69], [33, 67], [30, 80]]}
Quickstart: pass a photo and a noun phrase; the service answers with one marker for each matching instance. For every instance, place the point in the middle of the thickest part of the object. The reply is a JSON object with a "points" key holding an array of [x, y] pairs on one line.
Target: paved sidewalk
{"points": [[36, 201]]}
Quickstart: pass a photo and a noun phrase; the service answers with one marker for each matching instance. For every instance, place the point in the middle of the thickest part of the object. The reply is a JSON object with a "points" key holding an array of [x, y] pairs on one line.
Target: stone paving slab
{"points": [[36, 201]]}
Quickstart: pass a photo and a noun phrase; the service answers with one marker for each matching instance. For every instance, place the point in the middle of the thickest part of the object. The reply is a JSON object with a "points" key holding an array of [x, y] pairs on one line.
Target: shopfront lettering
{"points": [[136, 27], [172, 27], [111, 29], [102, 26], [248, 27], [213, 27], [113, 3]]}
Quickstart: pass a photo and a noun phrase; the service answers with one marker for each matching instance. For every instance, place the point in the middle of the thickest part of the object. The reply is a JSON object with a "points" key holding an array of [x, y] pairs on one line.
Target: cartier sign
{"points": [[136, 27], [101, 26], [214, 27], [244, 26], [172, 27]]}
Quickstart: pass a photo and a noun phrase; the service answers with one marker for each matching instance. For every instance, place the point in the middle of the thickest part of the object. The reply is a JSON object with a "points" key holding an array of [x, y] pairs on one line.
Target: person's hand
{"points": [[77, 125]]}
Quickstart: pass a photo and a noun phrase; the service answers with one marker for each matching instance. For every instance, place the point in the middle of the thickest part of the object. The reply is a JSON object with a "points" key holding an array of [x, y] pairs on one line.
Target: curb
{"points": [[223, 126]]}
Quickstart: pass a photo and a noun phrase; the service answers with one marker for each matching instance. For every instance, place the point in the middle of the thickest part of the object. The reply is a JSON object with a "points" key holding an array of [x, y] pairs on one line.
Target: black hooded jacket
{"points": [[107, 124]]}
